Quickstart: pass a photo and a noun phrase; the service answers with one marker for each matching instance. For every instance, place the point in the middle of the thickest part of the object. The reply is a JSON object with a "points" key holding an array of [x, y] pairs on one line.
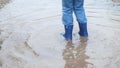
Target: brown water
{"points": [[30, 36]]}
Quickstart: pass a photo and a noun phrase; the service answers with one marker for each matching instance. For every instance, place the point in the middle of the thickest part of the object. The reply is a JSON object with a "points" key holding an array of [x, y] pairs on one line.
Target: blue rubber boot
{"points": [[68, 32], [83, 29]]}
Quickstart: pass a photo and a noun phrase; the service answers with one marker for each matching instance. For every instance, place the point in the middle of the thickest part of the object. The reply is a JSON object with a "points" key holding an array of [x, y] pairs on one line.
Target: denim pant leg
{"points": [[79, 11], [67, 9]]}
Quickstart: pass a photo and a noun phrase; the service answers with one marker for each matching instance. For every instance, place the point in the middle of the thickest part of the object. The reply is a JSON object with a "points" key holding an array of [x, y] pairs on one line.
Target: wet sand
{"points": [[30, 36]]}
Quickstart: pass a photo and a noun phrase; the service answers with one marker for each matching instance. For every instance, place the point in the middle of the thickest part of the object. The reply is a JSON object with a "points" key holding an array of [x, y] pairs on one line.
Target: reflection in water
{"points": [[75, 57]]}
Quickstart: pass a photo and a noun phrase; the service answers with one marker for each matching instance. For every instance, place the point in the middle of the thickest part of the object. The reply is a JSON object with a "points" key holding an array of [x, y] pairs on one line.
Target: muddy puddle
{"points": [[30, 36]]}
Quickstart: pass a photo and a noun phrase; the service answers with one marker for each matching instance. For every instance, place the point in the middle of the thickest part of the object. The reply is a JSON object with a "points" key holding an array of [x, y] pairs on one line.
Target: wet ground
{"points": [[30, 36]]}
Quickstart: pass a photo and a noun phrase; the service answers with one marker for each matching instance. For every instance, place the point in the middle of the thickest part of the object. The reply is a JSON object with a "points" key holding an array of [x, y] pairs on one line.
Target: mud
{"points": [[30, 36]]}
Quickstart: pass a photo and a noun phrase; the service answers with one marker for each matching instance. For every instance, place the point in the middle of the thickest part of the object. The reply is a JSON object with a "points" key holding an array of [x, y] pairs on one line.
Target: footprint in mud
{"points": [[27, 45], [25, 49], [115, 20]]}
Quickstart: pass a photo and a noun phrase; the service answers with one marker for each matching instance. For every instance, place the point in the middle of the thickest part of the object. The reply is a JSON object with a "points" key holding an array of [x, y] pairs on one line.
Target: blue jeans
{"points": [[70, 6]]}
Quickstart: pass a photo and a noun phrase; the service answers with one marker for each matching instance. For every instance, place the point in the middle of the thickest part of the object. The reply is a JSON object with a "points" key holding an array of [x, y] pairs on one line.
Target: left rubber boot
{"points": [[68, 32], [83, 29]]}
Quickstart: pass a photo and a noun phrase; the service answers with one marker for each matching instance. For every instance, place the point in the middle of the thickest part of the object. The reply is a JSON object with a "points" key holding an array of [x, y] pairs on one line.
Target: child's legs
{"points": [[79, 11], [67, 10]]}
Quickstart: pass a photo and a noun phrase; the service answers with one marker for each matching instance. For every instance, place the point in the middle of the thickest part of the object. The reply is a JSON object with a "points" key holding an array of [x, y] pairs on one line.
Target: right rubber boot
{"points": [[83, 30], [68, 32]]}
